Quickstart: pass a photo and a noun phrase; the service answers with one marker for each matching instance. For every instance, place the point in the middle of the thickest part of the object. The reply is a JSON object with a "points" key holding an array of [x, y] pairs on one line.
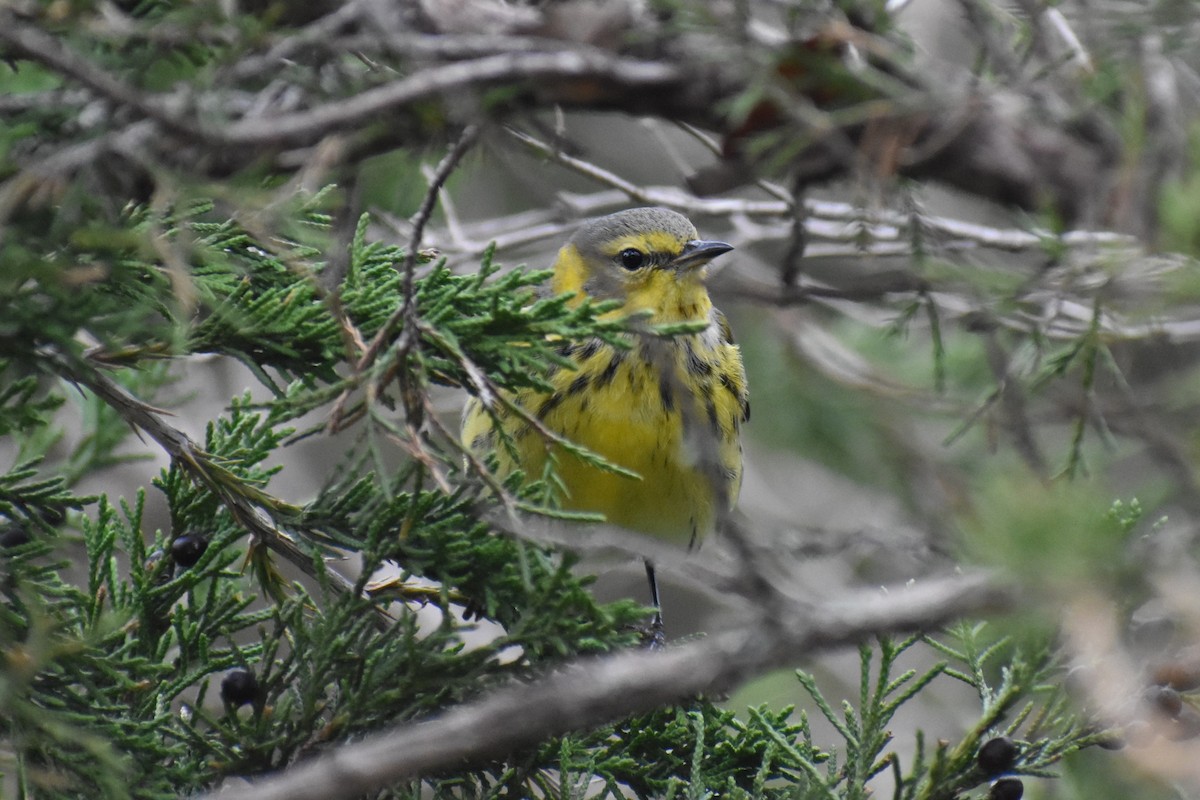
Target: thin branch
{"points": [[714, 147], [112, 23], [1014, 407], [249, 506], [1079, 54], [308, 126], [971, 136], [883, 225], [437, 180], [49, 100], [35, 44], [311, 125], [404, 317], [318, 32]]}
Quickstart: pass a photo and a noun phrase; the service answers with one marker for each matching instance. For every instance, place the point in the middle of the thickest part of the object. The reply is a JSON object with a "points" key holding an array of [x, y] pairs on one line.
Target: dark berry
{"points": [[1007, 789], [239, 687], [1166, 700], [13, 535], [187, 549], [997, 756], [1182, 676]]}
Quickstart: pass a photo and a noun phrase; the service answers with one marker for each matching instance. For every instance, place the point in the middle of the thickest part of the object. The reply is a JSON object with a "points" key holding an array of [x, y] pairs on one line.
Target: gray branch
{"points": [[587, 694], [1000, 145]]}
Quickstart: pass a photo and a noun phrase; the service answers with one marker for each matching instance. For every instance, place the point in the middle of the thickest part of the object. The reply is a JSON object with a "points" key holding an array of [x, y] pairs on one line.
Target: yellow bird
{"points": [[668, 408]]}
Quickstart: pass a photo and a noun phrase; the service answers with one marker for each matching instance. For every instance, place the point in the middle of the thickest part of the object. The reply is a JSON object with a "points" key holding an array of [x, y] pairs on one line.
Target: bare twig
{"points": [[1079, 54], [883, 225], [316, 33], [31, 42], [404, 317], [51, 99], [437, 180], [307, 126]]}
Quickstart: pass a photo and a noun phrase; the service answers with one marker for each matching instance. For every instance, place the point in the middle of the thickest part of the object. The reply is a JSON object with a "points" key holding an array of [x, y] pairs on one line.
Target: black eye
{"points": [[631, 258]]}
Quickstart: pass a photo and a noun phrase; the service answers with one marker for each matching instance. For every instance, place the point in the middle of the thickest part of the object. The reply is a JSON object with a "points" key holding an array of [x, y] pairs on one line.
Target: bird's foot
{"points": [[653, 637]]}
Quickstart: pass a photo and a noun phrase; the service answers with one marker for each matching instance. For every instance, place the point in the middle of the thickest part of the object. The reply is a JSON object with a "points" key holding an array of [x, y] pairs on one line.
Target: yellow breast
{"points": [[668, 410]]}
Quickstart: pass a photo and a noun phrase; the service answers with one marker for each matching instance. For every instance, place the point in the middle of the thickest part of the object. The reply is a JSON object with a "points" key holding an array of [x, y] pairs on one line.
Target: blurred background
{"points": [[969, 324]]}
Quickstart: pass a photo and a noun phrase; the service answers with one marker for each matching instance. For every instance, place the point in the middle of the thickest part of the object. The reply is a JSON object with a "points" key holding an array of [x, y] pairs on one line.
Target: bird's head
{"points": [[650, 258]]}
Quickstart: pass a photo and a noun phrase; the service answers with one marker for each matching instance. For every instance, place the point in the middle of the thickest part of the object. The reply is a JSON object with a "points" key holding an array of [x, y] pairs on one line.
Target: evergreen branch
{"points": [[251, 507], [103, 248], [587, 694], [406, 313]]}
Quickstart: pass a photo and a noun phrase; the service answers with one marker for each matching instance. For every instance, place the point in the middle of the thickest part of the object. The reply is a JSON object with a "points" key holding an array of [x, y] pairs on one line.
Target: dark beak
{"points": [[697, 253]]}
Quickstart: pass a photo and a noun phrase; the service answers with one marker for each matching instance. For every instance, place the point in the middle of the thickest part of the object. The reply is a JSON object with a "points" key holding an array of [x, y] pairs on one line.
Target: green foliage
{"points": [[131, 655], [701, 750], [21, 409], [1054, 535], [391, 594], [1180, 205], [115, 648]]}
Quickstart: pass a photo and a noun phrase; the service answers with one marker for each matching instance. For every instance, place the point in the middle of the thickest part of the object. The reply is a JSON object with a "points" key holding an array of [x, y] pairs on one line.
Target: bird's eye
{"points": [[631, 258]]}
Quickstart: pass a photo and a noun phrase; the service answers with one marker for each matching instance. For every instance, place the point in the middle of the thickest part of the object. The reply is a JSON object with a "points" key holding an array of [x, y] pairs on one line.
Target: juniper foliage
{"points": [[352, 609], [116, 645]]}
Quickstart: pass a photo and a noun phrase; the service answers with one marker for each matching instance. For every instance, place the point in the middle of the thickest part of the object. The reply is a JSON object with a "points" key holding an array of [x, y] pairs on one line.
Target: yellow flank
{"points": [[667, 408]]}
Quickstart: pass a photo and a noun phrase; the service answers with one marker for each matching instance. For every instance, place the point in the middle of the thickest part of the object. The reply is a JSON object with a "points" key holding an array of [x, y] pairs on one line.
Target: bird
{"points": [[667, 409]]}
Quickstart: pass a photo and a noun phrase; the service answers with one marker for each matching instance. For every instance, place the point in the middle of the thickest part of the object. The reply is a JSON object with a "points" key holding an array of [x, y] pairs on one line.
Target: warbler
{"points": [[667, 408]]}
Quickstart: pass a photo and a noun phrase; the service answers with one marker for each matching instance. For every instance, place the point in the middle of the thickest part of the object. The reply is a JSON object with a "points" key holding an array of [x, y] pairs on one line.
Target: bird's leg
{"points": [[658, 638]]}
